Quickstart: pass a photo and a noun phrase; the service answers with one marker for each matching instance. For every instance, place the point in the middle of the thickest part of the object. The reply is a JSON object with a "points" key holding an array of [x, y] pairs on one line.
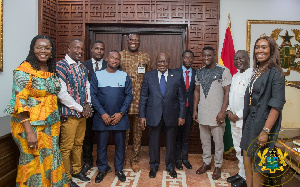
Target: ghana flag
{"points": [[226, 59]]}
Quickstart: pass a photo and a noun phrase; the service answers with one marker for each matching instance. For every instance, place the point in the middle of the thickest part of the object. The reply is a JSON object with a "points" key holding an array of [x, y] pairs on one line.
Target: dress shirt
{"points": [[165, 74], [99, 63], [65, 97], [184, 74], [238, 87]]}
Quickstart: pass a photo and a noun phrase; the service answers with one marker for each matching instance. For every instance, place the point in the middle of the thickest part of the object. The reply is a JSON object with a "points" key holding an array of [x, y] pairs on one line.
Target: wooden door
{"points": [[152, 43], [158, 43]]}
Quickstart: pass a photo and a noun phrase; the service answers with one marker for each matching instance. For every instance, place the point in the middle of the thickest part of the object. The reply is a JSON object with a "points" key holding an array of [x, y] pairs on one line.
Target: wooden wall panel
{"points": [[9, 157], [70, 18], [47, 18]]}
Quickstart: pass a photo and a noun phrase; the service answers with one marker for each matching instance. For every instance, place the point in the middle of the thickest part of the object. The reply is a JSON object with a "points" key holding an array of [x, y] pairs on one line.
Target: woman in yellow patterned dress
{"points": [[35, 123]]}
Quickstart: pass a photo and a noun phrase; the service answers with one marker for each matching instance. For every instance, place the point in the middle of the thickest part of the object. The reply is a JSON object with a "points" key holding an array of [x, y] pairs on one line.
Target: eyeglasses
{"points": [[40, 48], [162, 62]]}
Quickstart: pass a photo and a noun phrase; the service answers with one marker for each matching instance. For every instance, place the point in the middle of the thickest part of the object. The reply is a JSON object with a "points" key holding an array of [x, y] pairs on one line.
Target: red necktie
{"points": [[187, 85]]}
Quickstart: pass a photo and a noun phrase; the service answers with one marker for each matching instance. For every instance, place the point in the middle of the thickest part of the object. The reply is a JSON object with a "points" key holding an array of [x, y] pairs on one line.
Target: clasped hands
{"points": [[87, 111], [111, 120]]}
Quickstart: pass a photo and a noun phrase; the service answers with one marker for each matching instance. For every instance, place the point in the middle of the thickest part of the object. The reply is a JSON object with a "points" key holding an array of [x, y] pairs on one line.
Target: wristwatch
{"points": [[122, 113], [266, 129]]}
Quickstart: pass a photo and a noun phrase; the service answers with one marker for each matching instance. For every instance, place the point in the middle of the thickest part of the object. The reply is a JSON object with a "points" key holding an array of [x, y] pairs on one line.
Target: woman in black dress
{"points": [[263, 103]]}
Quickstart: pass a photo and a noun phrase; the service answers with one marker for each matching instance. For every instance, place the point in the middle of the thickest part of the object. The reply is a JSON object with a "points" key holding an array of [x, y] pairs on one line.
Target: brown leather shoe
{"points": [[216, 174], [203, 169], [135, 167]]}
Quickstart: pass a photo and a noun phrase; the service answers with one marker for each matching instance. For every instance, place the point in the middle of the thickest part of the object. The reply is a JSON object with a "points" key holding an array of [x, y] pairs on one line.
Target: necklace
{"points": [[258, 72]]}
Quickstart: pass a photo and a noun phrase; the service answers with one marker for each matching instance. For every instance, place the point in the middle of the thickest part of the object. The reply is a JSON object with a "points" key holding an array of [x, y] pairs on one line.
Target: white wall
{"points": [[20, 25], [243, 10]]}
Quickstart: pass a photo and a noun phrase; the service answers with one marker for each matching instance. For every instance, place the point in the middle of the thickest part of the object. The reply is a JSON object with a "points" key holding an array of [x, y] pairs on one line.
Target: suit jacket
{"points": [[170, 106], [89, 65], [271, 95], [190, 92]]}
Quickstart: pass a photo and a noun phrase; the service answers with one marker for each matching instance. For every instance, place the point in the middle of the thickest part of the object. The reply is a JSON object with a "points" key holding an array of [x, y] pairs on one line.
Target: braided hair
{"points": [[33, 61]]}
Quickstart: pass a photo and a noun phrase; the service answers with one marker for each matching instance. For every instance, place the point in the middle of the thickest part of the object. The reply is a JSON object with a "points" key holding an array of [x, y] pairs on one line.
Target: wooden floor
{"points": [[186, 178]]}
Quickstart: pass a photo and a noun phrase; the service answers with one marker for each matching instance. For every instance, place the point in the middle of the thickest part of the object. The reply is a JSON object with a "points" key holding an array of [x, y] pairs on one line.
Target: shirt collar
{"points": [[94, 61], [70, 60], [184, 69], [165, 73]]}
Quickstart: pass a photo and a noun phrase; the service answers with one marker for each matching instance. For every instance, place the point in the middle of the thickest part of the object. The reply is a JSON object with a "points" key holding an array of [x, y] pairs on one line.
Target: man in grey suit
{"points": [[94, 64], [162, 106]]}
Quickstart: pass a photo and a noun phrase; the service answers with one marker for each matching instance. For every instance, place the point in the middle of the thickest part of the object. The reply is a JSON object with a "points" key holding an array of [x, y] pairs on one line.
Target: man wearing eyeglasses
{"points": [[162, 106], [135, 63]]}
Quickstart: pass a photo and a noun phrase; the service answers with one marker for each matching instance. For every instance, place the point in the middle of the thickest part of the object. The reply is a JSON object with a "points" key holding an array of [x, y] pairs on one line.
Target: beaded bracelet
{"points": [[28, 119]]}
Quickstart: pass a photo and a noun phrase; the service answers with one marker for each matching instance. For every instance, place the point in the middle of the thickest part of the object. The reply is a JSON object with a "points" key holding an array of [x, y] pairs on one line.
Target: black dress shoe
{"points": [[121, 176], [179, 165], [187, 164], [86, 167], [233, 178], [108, 169], [81, 176], [152, 173], [172, 173], [241, 182], [100, 176], [73, 184]]}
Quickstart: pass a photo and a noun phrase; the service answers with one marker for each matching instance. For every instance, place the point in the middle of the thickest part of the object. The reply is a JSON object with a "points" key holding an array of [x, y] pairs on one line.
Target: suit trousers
{"points": [[154, 134], [236, 136], [217, 132], [137, 133], [182, 140], [71, 139], [102, 141], [88, 142]]}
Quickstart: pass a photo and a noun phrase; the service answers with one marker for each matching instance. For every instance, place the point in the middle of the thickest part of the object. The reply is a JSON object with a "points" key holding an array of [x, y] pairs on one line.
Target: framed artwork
{"points": [[287, 36], [1, 35]]}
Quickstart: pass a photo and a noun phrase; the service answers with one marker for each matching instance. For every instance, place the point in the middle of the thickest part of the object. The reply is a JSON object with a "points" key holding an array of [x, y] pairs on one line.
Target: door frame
{"points": [[121, 28]]}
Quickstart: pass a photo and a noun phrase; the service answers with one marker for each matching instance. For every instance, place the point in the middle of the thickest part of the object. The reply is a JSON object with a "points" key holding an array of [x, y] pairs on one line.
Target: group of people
{"points": [[58, 107]]}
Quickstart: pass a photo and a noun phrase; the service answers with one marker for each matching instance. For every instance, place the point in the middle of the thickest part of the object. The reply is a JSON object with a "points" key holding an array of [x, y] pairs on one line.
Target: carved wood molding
{"points": [[64, 20]]}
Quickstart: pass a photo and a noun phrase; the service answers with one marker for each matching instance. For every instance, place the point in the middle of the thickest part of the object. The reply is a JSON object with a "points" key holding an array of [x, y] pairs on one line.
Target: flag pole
{"points": [[229, 22]]}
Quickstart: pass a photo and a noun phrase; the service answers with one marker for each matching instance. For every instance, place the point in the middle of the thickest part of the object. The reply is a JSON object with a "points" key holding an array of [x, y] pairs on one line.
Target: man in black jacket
{"points": [[182, 140], [96, 63]]}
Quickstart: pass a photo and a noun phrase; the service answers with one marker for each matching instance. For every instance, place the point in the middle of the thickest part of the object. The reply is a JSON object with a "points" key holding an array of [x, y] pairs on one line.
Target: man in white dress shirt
{"points": [[235, 108]]}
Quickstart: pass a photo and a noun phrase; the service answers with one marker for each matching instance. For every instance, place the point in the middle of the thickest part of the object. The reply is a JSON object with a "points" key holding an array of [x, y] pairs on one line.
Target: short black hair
{"points": [[33, 61], [97, 42], [76, 39], [208, 48], [188, 51]]}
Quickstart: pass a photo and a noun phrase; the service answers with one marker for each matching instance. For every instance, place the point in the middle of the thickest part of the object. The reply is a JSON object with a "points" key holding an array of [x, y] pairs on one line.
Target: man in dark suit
{"points": [[162, 106], [182, 140], [94, 64]]}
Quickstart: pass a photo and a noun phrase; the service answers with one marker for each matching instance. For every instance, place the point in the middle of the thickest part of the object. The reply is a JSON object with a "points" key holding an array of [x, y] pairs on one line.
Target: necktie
{"points": [[162, 84], [187, 84], [97, 66]]}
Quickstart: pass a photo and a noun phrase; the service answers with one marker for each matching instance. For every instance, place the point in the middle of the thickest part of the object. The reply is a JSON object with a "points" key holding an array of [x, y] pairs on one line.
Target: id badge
{"points": [[141, 70]]}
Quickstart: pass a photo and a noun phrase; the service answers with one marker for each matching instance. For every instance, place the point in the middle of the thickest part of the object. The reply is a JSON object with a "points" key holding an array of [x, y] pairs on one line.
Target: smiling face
{"points": [[262, 50], [187, 59], [42, 50], [241, 60], [208, 58], [133, 43], [76, 50], [113, 60], [98, 50], [162, 62]]}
